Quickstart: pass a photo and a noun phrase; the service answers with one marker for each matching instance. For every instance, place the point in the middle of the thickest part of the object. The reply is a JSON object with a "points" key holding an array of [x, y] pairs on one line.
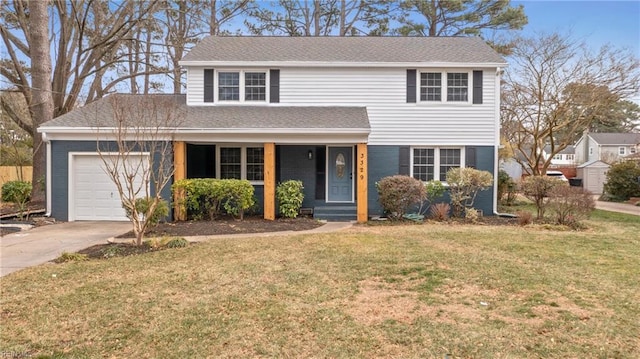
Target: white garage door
{"points": [[93, 195]]}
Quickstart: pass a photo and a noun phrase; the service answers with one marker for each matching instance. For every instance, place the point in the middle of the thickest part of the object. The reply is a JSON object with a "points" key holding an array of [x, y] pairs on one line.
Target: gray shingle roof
{"points": [[344, 49], [616, 138], [569, 150], [134, 107]]}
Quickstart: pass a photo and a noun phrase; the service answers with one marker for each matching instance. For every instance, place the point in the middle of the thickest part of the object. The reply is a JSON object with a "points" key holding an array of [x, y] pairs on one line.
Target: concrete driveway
{"points": [[618, 207], [42, 244]]}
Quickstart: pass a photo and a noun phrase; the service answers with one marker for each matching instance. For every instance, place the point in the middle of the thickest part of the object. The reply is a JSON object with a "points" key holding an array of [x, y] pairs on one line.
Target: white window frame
{"points": [[444, 83], [632, 150], [437, 176], [571, 157], [243, 160], [557, 157], [241, 74], [590, 151], [622, 150]]}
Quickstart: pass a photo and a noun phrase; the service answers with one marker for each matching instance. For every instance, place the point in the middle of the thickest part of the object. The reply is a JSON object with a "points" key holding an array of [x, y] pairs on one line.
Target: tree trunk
{"points": [[42, 101]]}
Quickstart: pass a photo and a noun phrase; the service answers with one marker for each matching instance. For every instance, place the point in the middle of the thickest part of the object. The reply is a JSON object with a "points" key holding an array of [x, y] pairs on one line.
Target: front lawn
{"points": [[414, 291]]}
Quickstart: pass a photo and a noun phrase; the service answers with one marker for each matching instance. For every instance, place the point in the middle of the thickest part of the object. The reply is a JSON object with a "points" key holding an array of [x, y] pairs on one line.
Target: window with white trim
{"points": [[571, 157], [456, 87], [242, 86], [557, 157], [632, 150], [622, 151], [241, 162], [433, 163], [590, 151]]}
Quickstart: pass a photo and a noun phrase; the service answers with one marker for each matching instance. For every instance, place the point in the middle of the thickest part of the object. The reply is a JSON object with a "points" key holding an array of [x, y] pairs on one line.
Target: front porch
{"points": [[334, 175]]}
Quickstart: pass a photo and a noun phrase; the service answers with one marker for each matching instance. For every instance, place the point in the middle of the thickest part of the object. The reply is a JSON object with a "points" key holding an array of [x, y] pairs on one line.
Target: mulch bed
{"points": [[228, 226], [110, 250]]}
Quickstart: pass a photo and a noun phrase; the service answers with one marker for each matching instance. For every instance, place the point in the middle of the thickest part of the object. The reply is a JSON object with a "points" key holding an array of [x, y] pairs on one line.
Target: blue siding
{"points": [[385, 161], [295, 164], [60, 174]]}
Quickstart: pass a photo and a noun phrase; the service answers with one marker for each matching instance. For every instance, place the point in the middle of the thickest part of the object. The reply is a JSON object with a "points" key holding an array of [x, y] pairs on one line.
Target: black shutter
{"points": [[405, 161], [411, 86], [477, 87], [274, 86], [470, 157], [208, 85]]}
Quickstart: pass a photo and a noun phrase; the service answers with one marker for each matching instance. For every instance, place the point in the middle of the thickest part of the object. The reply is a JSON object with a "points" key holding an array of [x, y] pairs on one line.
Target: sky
{"points": [[595, 22]]}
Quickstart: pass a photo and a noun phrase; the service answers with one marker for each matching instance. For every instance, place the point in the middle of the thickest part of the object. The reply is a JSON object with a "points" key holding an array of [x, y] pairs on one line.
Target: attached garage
{"points": [[594, 175], [92, 194]]}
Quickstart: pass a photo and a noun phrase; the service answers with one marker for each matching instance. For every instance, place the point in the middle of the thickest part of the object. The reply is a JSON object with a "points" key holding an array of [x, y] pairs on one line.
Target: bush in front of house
{"points": [[570, 205], [537, 189], [464, 186], [143, 206], [289, 196], [18, 192], [397, 194], [210, 197], [507, 188], [623, 181]]}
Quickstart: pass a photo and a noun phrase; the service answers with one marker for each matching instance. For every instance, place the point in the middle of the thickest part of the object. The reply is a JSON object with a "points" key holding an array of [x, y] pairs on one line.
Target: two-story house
{"points": [[337, 113], [606, 147]]}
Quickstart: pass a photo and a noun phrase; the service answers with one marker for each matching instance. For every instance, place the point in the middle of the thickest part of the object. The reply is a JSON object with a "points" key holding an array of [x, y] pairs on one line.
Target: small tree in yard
{"points": [[537, 189], [464, 185], [134, 143]]}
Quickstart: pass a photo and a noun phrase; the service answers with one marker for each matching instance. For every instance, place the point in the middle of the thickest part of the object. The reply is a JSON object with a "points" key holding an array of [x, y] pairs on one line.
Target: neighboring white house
{"points": [[566, 157], [606, 147]]}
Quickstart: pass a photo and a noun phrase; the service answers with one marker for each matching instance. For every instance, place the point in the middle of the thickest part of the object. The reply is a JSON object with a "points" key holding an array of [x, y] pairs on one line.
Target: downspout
{"points": [[46, 140], [496, 147]]}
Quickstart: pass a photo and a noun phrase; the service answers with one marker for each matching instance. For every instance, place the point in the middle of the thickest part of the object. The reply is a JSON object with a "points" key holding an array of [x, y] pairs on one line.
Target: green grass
{"points": [[414, 291]]}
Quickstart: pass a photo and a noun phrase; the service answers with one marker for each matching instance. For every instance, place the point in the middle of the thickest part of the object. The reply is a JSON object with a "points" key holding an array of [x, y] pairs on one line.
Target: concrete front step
{"points": [[335, 213]]}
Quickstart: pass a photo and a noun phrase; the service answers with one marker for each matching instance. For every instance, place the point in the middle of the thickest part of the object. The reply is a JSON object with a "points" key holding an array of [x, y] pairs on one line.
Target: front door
{"points": [[340, 174]]}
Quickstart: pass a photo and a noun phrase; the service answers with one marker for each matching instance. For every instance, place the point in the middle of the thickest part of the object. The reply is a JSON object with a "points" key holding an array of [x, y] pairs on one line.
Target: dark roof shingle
{"points": [[355, 49], [101, 113], [610, 138]]}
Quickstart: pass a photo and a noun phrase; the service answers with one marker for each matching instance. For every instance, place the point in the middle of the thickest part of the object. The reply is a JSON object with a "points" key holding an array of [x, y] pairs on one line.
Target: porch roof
{"points": [[170, 112]]}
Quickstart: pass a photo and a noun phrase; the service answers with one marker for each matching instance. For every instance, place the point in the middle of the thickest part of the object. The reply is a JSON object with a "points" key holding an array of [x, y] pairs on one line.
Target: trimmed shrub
{"points": [[289, 196], [537, 189], [570, 205], [397, 194], [71, 257], [623, 181], [177, 242], [464, 185], [440, 211], [210, 197], [18, 192], [143, 205], [503, 184]]}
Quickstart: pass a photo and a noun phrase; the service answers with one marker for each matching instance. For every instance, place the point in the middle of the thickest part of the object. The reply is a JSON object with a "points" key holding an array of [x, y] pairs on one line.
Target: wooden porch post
{"points": [[180, 172], [270, 181], [362, 174]]}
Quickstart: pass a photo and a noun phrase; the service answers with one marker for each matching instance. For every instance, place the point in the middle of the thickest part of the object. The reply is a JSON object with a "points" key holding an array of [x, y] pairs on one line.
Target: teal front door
{"points": [[340, 174]]}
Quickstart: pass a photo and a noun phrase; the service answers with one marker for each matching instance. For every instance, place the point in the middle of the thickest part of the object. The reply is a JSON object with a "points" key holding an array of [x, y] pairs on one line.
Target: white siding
{"points": [[393, 121], [383, 92]]}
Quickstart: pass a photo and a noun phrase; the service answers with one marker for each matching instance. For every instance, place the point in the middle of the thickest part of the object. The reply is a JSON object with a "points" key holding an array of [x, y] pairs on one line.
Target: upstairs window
{"points": [[255, 86], [447, 87], [242, 86], [431, 86], [622, 151], [228, 86], [458, 87], [632, 150]]}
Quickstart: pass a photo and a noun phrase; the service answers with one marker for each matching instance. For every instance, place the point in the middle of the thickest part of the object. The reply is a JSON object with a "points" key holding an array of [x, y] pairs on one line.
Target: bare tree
{"points": [[136, 150], [86, 43], [552, 88]]}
